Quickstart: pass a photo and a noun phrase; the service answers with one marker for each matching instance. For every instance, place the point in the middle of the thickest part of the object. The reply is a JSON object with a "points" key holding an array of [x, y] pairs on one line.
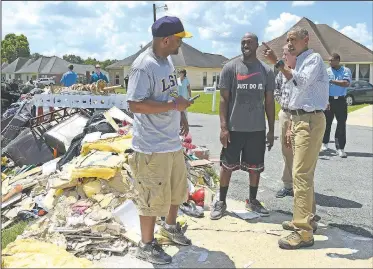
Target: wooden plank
{"points": [[199, 163], [6, 224], [112, 87], [24, 175], [12, 200]]}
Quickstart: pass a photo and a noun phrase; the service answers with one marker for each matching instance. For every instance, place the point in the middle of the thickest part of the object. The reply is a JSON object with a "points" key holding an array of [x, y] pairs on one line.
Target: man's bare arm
{"points": [[150, 106], [270, 110], [190, 91], [223, 112], [342, 83]]}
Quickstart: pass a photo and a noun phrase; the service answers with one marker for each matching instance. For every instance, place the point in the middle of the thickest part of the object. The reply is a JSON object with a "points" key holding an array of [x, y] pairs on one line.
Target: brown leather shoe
{"points": [[288, 225], [295, 240]]}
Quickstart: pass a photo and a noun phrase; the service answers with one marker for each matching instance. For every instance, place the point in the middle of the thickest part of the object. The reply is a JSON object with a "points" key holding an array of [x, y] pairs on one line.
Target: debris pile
{"points": [[79, 194], [96, 88]]}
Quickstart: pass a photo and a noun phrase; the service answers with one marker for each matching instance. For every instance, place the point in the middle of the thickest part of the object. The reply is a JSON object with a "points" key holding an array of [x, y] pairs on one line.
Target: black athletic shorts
{"points": [[245, 151]]}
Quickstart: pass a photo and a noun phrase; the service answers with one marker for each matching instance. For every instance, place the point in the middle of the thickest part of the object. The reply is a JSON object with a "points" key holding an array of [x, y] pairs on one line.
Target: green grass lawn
{"points": [[120, 90], [204, 104], [356, 107], [10, 234]]}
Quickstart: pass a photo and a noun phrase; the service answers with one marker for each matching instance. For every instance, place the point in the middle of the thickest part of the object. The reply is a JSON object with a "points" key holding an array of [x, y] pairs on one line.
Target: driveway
{"points": [[361, 117], [343, 186]]}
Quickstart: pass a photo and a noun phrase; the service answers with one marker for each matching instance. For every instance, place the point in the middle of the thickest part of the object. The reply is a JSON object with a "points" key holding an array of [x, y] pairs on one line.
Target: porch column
{"points": [[371, 74], [357, 72]]}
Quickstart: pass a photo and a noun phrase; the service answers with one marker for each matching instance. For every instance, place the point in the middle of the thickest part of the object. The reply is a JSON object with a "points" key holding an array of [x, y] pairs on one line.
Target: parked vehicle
{"points": [[45, 81], [359, 91]]}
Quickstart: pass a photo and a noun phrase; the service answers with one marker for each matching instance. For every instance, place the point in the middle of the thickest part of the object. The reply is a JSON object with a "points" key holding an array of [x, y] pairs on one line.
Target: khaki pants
{"points": [[308, 131], [287, 153], [160, 180]]}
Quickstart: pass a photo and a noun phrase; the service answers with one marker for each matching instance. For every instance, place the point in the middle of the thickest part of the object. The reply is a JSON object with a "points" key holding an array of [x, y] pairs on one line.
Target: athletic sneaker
{"points": [[153, 253], [342, 153], [175, 234], [284, 192], [256, 206], [218, 210]]}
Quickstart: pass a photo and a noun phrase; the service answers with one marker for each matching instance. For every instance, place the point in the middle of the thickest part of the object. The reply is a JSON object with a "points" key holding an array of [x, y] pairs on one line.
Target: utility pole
{"points": [[155, 11]]}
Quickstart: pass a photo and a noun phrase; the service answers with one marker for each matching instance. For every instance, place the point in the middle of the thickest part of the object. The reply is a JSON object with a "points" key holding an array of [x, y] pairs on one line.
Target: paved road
{"points": [[343, 186]]}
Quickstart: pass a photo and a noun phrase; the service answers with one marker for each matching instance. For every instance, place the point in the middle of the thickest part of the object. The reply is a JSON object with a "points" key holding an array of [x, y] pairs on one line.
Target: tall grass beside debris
{"points": [[10, 234]]}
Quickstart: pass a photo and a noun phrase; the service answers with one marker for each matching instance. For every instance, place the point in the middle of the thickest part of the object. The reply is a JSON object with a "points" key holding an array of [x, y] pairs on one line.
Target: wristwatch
{"points": [[279, 63]]}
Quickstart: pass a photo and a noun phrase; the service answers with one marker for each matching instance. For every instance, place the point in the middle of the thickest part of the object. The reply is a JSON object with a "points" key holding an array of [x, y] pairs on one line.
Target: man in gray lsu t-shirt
{"points": [[246, 90], [157, 164]]}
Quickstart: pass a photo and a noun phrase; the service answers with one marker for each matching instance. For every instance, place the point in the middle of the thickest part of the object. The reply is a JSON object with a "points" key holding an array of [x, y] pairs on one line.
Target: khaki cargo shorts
{"points": [[160, 180]]}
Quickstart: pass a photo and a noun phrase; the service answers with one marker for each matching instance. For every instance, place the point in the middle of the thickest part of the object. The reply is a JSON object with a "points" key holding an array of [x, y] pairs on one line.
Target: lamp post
{"points": [[155, 10]]}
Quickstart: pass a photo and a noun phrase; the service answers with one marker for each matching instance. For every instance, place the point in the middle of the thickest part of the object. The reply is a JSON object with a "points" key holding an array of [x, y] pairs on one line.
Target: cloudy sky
{"points": [[115, 30]]}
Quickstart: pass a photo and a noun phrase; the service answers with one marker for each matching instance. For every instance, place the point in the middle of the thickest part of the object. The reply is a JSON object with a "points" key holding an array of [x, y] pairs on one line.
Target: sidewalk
{"points": [[361, 117], [234, 243]]}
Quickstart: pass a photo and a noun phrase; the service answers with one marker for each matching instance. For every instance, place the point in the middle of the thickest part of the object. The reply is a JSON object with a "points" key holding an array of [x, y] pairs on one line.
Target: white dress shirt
{"points": [[309, 87]]}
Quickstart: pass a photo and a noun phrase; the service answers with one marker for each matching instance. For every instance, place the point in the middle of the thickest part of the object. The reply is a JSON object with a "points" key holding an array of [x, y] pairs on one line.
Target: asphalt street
{"points": [[343, 186]]}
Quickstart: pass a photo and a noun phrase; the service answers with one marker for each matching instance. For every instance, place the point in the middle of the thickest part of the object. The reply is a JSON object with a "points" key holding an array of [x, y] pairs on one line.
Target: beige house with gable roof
{"points": [[203, 69]]}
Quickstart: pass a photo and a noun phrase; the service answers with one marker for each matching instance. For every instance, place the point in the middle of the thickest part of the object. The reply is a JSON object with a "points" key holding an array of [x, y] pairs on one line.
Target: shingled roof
{"points": [[49, 65], [187, 56], [3, 65], [16, 65], [324, 40]]}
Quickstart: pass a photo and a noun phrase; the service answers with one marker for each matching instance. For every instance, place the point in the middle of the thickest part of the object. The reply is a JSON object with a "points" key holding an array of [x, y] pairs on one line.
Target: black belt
{"points": [[337, 98], [302, 112]]}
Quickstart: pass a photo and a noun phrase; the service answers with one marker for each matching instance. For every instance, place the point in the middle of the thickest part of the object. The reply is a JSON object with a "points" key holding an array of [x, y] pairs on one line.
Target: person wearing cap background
{"points": [[69, 78], [158, 166], [98, 75]]}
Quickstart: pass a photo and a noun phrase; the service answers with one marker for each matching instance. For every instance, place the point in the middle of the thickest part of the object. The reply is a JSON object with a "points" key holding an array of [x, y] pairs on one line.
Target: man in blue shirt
{"points": [[98, 75], [69, 78], [339, 80]]}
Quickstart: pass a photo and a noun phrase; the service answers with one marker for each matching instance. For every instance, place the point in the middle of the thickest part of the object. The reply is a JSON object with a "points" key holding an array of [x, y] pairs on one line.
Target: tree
{"points": [[36, 56], [73, 59], [91, 61], [106, 63], [14, 46]]}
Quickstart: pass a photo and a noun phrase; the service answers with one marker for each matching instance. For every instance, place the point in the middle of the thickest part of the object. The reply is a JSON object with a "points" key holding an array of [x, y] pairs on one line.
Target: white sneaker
{"points": [[324, 147], [342, 153]]}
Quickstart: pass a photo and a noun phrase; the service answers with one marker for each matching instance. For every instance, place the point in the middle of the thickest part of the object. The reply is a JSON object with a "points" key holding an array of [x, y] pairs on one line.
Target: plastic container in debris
{"points": [[128, 215]]}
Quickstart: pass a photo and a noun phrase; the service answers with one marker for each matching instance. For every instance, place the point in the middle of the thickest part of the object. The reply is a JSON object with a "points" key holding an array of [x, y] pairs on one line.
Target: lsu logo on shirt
{"points": [[170, 83]]}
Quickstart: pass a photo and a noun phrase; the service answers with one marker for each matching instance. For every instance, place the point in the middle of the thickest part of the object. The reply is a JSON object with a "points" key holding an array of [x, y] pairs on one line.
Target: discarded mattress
{"points": [[61, 135], [96, 123]]}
